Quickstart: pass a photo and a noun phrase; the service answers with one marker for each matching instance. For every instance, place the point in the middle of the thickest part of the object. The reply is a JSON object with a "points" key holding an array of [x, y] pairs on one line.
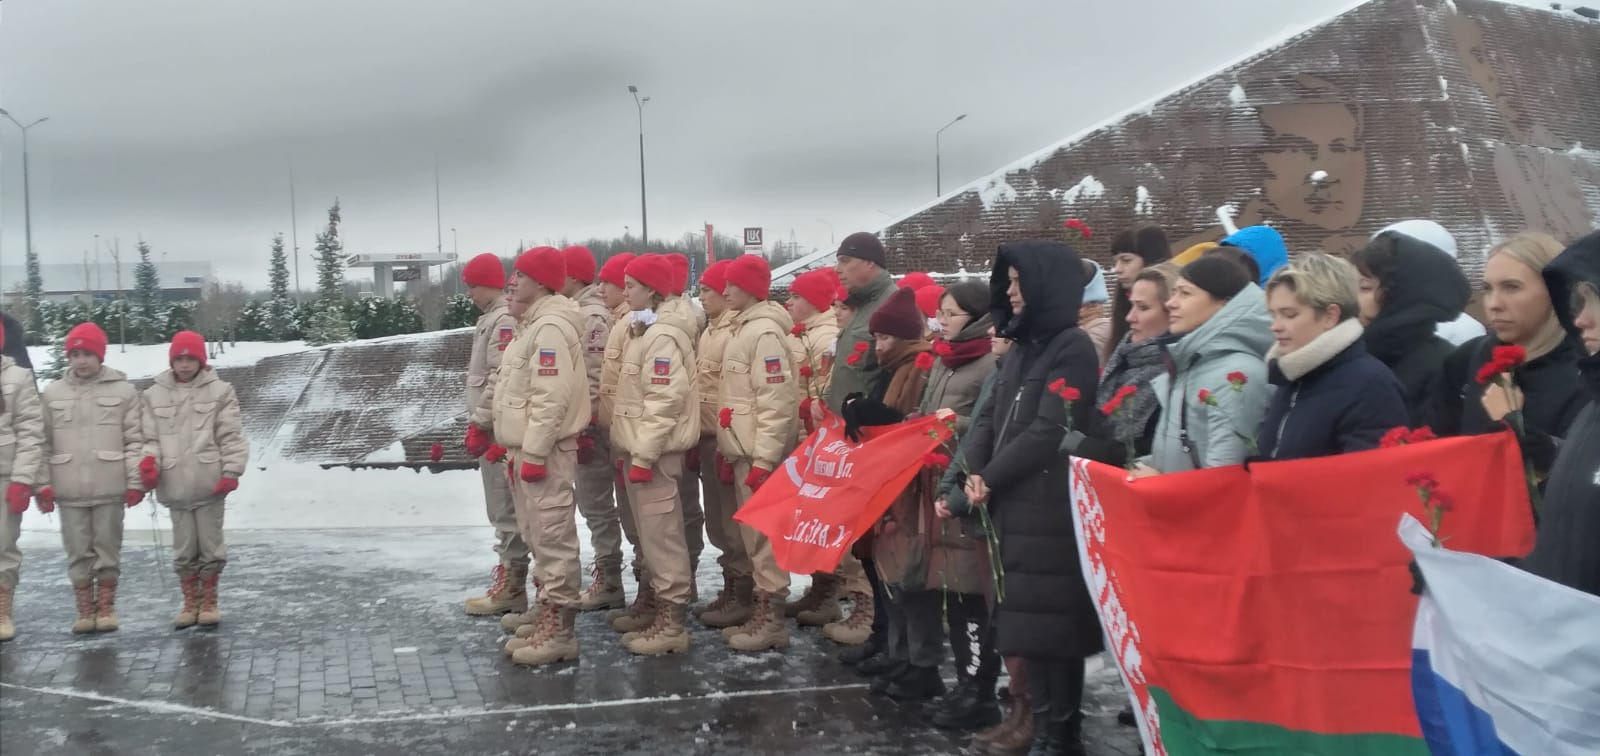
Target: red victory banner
{"points": [[830, 491], [1269, 610]]}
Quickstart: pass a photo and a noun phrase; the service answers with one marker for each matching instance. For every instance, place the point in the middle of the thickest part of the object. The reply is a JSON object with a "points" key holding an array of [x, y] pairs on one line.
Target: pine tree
{"points": [[34, 294], [280, 308], [148, 314], [330, 258], [58, 360]]}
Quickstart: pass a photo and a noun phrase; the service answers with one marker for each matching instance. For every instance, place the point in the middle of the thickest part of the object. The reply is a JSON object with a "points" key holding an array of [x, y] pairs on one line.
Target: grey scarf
{"points": [[1131, 364]]}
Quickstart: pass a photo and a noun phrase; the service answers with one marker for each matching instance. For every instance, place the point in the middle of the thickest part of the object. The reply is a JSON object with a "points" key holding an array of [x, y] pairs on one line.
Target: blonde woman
{"points": [[1546, 393]]}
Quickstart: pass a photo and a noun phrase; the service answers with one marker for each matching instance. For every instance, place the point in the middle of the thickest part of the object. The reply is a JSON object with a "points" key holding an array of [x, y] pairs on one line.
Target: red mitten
{"points": [[691, 458], [46, 499], [533, 473], [132, 498], [149, 473], [637, 474], [756, 477], [585, 450], [226, 486], [17, 496], [478, 442], [435, 452], [495, 453], [724, 470]]}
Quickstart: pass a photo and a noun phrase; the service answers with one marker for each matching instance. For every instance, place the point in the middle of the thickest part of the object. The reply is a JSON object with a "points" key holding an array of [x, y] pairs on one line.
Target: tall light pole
{"points": [[938, 167], [27, 201], [644, 215], [438, 218]]}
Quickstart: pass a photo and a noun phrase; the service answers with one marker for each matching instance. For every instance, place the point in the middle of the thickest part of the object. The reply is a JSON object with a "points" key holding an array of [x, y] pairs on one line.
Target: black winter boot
{"points": [[916, 684], [976, 709]]}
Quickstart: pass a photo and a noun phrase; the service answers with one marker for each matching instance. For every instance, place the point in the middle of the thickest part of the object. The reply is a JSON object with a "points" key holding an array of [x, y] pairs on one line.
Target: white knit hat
{"points": [[1425, 231]]}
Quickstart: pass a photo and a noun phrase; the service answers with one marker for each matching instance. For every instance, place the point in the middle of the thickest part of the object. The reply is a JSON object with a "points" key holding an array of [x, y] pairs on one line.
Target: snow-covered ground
{"points": [[147, 361]]}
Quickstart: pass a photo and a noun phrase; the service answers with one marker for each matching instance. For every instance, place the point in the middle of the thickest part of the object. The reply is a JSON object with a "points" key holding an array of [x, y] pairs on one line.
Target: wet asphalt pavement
{"points": [[342, 642]]}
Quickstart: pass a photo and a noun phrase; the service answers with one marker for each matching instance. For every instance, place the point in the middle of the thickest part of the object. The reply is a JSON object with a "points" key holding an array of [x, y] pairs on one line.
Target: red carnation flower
{"points": [[1237, 379], [935, 459], [1445, 502], [861, 347], [1205, 397], [1511, 355], [1079, 226], [805, 371], [1421, 434], [1399, 436], [1488, 372], [943, 349], [853, 360], [1423, 480], [725, 417], [1068, 393], [1115, 403], [798, 329], [925, 361], [436, 452], [1057, 384]]}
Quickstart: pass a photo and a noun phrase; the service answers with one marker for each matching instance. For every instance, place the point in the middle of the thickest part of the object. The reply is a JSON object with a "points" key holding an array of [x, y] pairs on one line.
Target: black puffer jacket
{"points": [[1046, 611], [1568, 546], [1427, 289], [1552, 396], [1332, 398]]}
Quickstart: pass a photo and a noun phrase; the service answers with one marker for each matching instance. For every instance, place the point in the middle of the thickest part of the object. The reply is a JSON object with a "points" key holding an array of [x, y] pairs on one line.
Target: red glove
{"points": [[495, 453], [533, 473], [756, 477], [637, 474], [724, 470], [149, 473], [17, 496], [691, 458], [478, 442], [46, 499], [132, 498], [585, 450], [226, 486], [435, 453]]}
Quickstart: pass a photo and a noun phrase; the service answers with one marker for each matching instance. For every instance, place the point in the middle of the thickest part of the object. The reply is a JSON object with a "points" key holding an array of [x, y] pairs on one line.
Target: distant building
{"points": [[65, 282]]}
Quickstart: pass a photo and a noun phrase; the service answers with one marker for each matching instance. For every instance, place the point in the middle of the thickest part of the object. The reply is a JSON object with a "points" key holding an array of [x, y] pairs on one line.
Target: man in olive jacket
{"points": [[861, 267]]}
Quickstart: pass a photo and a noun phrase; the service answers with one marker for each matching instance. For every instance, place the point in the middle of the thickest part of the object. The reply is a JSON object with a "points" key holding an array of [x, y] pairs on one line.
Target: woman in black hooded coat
{"points": [[1046, 615], [1567, 549], [1409, 287]]}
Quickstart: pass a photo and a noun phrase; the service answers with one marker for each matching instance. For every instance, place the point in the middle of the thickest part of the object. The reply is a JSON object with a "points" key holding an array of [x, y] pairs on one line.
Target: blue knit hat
{"points": [[1095, 291], [1263, 243]]}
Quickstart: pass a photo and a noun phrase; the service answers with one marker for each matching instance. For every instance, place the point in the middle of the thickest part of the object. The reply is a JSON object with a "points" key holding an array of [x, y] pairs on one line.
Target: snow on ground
{"points": [[141, 361]]}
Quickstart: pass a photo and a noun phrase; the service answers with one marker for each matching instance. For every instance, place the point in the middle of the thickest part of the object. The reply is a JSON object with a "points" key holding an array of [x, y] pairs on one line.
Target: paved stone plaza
{"points": [[350, 642]]}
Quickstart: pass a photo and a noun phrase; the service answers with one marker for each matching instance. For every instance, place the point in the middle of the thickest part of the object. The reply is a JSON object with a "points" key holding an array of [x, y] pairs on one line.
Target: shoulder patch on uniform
{"points": [[663, 366], [774, 366], [547, 358], [506, 334]]}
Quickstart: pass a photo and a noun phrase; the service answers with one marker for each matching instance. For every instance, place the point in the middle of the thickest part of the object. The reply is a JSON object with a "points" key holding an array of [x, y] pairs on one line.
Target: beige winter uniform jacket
{"points": [[94, 429], [656, 402], [542, 392], [21, 425], [611, 366], [196, 433], [596, 332], [758, 384], [708, 375], [813, 349], [496, 328]]}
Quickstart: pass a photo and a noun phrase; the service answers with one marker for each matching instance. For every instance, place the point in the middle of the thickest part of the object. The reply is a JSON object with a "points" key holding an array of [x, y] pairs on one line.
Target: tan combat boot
{"points": [[819, 605], [105, 616], [604, 592], [767, 628], [84, 594], [7, 630], [1014, 734], [666, 635], [737, 608], [855, 629], [210, 614], [506, 593], [528, 634], [640, 615], [189, 614], [557, 642]]}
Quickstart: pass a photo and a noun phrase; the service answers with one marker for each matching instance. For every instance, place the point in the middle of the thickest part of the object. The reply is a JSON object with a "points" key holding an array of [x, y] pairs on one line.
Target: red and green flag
{"points": [[1268, 610]]}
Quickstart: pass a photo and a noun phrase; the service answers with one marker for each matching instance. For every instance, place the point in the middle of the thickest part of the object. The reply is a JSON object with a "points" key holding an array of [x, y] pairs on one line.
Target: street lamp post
{"points": [[644, 215], [830, 230], [27, 201], [938, 167]]}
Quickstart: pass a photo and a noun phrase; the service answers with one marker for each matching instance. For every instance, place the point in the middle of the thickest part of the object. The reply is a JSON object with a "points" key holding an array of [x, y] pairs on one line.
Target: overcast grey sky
{"points": [[179, 119]]}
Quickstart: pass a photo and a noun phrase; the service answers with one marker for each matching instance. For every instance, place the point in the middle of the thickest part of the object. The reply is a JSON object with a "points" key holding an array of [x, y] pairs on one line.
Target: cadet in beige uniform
{"points": [[694, 515], [734, 602], [540, 409], [485, 277], [596, 476], [21, 457], [763, 405], [194, 454], [93, 420], [655, 422], [613, 279]]}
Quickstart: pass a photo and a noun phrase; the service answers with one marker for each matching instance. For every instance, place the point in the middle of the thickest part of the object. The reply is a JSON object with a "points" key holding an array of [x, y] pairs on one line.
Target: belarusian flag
{"points": [[1268, 610]]}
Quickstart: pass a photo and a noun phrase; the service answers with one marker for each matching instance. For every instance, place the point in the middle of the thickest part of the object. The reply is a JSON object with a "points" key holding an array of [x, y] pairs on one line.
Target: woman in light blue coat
{"points": [[1219, 335]]}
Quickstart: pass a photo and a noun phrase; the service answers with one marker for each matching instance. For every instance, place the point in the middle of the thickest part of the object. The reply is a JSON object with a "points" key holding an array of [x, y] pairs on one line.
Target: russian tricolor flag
{"points": [[1503, 662]]}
